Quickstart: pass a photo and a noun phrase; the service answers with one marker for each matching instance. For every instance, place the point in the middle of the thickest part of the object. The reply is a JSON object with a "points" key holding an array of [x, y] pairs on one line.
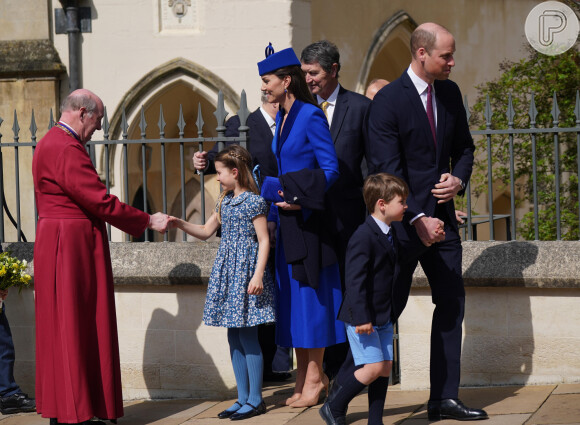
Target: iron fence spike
{"points": [[510, 113], [243, 112], [124, 124], [106, 125], [161, 122], [181, 121], [143, 123], [466, 105], [199, 123], [533, 111], [15, 126], [33, 127], [555, 111], [220, 112], [487, 113]]}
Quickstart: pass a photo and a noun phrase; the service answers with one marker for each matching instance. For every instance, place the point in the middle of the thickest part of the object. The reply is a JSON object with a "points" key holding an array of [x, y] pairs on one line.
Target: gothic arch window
{"points": [[389, 53]]}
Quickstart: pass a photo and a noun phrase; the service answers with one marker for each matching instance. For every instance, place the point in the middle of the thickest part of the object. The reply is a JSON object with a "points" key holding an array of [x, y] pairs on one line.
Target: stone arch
{"points": [[200, 77], [389, 52], [174, 85]]}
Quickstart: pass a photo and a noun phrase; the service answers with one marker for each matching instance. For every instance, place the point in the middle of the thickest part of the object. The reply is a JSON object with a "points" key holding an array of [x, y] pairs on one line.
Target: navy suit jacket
{"points": [[347, 130], [371, 270], [260, 144], [400, 142]]}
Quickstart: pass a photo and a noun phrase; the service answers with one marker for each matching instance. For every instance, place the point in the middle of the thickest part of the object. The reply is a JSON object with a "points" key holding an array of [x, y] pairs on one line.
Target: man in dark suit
{"points": [[261, 125], [12, 399], [417, 130], [345, 111]]}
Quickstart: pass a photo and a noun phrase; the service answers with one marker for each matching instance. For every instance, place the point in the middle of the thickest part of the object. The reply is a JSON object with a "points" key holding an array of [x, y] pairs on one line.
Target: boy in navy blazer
{"points": [[370, 273]]}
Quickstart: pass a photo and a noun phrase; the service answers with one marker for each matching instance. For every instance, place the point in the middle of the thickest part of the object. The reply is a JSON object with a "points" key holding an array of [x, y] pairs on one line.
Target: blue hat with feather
{"points": [[275, 61]]}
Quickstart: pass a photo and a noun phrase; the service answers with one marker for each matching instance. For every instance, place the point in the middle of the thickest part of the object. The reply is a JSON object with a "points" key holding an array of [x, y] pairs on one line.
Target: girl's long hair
{"points": [[235, 156]]}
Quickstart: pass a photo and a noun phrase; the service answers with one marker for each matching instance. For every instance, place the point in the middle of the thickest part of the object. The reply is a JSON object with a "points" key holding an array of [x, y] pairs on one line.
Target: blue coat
{"points": [[305, 142], [306, 312]]}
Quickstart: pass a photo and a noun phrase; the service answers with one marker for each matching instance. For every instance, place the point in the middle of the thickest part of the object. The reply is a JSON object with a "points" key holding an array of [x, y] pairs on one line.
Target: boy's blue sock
{"points": [[240, 368], [254, 364]]}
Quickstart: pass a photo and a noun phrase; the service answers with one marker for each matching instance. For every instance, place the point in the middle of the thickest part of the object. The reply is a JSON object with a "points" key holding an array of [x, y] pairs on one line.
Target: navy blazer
{"points": [[371, 270], [259, 145], [347, 131], [400, 142]]}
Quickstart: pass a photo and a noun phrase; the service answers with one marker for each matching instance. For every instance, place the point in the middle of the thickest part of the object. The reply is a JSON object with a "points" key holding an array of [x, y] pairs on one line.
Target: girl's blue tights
{"points": [[248, 366]]}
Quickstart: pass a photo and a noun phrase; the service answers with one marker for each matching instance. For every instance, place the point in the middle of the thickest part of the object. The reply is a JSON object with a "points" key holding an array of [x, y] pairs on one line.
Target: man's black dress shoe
{"points": [[255, 411], [453, 409], [326, 414], [276, 376], [17, 403], [227, 413]]}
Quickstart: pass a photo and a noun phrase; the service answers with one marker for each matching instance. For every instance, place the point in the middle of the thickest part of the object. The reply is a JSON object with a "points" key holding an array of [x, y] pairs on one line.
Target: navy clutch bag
{"points": [[270, 188]]}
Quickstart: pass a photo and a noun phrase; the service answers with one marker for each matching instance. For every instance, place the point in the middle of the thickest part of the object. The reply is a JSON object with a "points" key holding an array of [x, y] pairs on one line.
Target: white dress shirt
{"points": [[269, 120], [385, 228], [421, 87], [331, 103]]}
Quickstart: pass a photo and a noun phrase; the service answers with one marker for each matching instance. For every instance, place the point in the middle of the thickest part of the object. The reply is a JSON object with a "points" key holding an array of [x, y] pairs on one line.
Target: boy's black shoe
{"points": [[17, 403], [329, 419]]}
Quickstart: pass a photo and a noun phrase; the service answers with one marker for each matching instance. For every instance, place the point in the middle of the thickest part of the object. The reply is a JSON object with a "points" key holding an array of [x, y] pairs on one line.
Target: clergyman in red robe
{"points": [[78, 374]]}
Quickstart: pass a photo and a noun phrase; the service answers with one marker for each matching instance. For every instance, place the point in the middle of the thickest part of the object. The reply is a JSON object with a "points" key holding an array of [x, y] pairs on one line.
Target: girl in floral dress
{"points": [[240, 294]]}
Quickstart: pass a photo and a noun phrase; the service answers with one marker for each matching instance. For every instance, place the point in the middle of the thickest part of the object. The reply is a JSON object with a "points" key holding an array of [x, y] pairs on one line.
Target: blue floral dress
{"points": [[228, 303]]}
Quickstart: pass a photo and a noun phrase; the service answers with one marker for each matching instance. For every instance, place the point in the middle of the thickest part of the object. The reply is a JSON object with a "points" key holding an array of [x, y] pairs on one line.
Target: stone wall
{"points": [[522, 322]]}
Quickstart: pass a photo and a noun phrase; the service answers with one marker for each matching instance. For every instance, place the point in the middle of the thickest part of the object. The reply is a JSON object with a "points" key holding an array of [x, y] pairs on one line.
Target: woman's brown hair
{"points": [[298, 86]]}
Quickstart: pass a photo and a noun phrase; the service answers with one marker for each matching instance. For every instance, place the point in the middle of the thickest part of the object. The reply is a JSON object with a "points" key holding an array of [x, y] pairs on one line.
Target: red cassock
{"points": [[78, 373]]}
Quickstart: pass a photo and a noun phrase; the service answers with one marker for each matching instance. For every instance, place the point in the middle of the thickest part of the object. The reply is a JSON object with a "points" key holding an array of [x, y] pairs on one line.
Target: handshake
{"points": [[161, 222]]}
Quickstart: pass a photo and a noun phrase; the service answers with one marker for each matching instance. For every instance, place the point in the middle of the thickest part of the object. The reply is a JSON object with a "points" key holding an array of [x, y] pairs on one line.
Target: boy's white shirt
{"points": [[385, 228]]}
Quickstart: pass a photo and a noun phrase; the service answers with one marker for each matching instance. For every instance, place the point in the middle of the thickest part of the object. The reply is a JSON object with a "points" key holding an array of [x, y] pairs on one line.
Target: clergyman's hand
{"points": [[159, 222]]}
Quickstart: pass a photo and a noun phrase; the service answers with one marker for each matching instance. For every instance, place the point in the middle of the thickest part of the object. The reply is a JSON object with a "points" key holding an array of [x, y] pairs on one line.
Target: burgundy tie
{"points": [[430, 114]]}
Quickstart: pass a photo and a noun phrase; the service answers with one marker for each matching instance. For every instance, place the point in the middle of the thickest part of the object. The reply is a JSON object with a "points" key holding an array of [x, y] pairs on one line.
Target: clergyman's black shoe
{"points": [[453, 409], [329, 419], [17, 403]]}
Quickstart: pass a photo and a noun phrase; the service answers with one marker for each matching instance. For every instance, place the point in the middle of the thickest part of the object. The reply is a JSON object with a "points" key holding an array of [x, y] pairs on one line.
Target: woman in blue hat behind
{"points": [[308, 280]]}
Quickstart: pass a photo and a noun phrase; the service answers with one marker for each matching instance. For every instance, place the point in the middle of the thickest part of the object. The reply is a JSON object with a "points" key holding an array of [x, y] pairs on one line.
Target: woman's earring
{"points": [[285, 90]]}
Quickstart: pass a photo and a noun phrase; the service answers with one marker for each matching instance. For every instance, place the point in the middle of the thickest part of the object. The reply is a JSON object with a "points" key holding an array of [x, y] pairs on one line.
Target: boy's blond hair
{"points": [[383, 186]]}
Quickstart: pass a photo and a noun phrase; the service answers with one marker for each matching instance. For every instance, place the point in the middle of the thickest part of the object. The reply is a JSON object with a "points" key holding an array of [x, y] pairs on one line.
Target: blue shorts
{"points": [[373, 348]]}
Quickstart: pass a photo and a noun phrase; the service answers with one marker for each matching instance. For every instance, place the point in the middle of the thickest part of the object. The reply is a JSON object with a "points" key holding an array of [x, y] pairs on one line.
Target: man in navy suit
{"points": [[261, 125], [12, 399], [417, 129], [345, 111]]}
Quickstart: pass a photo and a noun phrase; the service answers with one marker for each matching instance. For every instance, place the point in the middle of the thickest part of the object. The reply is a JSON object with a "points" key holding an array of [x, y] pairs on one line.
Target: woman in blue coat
{"points": [[308, 280]]}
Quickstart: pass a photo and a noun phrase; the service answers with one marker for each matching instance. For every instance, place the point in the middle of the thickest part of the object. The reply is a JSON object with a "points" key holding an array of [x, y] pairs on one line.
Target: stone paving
{"points": [[517, 405]]}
